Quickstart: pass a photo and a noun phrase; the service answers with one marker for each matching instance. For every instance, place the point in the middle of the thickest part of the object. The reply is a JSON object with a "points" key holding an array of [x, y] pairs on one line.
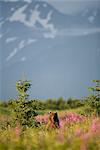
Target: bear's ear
{"points": [[55, 113]]}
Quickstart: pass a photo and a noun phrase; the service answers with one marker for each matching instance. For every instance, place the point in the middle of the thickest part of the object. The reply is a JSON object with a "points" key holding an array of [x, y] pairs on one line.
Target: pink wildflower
{"points": [[78, 132], [62, 123], [17, 130], [95, 125]]}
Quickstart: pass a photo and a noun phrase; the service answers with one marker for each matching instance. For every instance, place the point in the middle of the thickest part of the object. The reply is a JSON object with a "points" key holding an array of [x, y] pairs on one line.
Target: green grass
{"points": [[5, 111], [77, 135]]}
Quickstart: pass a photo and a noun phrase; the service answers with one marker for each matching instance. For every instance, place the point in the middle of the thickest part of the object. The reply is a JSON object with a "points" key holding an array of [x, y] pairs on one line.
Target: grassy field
{"points": [[76, 132]]}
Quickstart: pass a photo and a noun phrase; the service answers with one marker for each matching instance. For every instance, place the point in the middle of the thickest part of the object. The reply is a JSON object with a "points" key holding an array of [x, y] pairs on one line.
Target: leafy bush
{"points": [[24, 113], [94, 103], [74, 103]]}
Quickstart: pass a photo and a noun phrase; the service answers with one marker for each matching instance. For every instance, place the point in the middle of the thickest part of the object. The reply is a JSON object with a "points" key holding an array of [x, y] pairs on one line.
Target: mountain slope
{"points": [[55, 50]]}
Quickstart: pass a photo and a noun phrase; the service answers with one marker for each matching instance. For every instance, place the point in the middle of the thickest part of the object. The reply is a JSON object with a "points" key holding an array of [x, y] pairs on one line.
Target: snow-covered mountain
{"points": [[36, 33]]}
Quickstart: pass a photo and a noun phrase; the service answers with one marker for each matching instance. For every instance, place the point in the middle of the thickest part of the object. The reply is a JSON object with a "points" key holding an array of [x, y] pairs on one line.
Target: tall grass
{"points": [[76, 132]]}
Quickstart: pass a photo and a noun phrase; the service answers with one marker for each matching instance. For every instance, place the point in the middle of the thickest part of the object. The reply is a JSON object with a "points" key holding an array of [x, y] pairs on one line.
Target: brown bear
{"points": [[53, 120]]}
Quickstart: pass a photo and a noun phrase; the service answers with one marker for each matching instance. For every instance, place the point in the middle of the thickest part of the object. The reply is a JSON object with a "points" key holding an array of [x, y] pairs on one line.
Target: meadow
{"points": [[27, 125], [76, 132]]}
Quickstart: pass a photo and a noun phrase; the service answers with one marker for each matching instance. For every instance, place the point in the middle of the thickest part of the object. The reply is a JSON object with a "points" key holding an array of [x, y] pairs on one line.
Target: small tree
{"points": [[22, 87], [23, 110], [95, 89], [94, 99]]}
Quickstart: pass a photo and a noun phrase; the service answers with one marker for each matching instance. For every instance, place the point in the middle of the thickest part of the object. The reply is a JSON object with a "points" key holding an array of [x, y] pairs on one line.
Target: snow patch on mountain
{"points": [[12, 9], [49, 35], [91, 19], [12, 54], [20, 16], [1, 36], [22, 44], [23, 59], [28, 1], [30, 41], [44, 5], [11, 39]]}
